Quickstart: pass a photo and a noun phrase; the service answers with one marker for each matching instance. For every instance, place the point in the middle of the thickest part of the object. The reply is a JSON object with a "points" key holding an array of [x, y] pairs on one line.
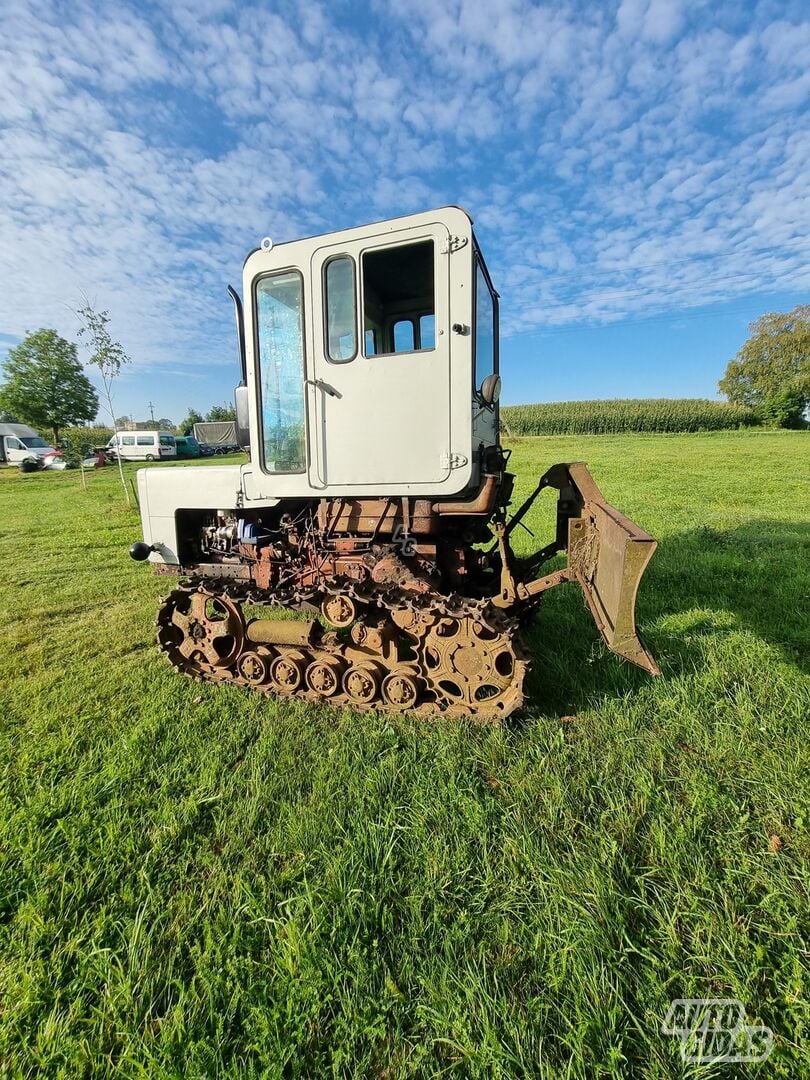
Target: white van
{"points": [[19, 443], [142, 445]]}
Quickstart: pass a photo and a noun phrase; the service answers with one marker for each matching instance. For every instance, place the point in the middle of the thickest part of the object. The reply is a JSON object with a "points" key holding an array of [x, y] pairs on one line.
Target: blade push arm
{"points": [[607, 556]]}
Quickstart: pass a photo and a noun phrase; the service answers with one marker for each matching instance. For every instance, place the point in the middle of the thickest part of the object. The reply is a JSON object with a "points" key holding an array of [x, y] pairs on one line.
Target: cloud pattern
{"points": [[618, 160]]}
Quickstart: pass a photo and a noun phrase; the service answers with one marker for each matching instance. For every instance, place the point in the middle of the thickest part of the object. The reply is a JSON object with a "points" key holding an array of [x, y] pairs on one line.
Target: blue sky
{"points": [[638, 172]]}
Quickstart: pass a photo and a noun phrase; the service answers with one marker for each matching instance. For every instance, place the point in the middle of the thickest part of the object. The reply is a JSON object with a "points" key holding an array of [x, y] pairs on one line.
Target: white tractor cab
{"points": [[20, 443], [375, 482], [369, 366], [142, 446]]}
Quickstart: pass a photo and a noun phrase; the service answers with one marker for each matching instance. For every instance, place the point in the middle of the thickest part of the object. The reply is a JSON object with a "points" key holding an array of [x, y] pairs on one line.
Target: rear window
{"points": [[167, 440]]}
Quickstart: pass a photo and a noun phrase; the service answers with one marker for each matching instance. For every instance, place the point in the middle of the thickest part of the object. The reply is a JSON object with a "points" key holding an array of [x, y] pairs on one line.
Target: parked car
{"points": [[206, 450], [142, 445], [187, 446]]}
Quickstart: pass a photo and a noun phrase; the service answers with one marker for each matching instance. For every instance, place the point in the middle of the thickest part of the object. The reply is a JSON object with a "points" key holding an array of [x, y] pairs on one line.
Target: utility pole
{"points": [[151, 408]]}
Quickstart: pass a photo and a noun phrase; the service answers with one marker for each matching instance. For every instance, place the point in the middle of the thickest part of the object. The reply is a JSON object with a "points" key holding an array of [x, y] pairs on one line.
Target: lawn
{"points": [[198, 883]]}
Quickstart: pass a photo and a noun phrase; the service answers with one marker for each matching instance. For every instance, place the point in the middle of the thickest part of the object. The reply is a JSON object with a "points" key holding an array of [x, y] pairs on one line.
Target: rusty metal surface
{"points": [[607, 555], [281, 631], [448, 656], [416, 617]]}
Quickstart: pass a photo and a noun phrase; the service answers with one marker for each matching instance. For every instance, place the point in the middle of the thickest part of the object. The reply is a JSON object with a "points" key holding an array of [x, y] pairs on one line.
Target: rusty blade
{"points": [[608, 554]]}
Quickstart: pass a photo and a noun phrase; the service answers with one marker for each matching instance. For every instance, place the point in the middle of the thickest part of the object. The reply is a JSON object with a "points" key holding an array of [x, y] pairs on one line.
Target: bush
{"points": [[78, 441], [784, 410], [615, 416]]}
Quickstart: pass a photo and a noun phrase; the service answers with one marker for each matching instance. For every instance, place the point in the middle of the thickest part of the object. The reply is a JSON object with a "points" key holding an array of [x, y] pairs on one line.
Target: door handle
{"points": [[319, 384]]}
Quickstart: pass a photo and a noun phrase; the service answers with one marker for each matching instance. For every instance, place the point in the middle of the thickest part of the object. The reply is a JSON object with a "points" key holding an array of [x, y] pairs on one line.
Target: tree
{"points": [[45, 384], [185, 426], [109, 357], [221, 412], [772, 370], [164, 424]]}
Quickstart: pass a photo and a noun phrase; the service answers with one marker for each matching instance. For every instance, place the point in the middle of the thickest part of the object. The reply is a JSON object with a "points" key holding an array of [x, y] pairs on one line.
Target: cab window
{"points": [[399, 298], [485, 328], [404, 336], [341, 310], [280, 336]]}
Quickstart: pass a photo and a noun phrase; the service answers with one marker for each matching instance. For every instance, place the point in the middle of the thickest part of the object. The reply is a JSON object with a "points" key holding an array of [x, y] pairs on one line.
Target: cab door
{"points": [[379, 395]]}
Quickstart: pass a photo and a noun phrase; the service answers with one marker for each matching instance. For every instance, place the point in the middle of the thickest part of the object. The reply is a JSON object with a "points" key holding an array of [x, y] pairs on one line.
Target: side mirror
{"points": [[240, 397], [490, 389]]}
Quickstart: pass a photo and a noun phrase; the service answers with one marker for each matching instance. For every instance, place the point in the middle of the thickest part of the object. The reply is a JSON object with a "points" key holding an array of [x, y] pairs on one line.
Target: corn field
{"points": [[618, 415]]}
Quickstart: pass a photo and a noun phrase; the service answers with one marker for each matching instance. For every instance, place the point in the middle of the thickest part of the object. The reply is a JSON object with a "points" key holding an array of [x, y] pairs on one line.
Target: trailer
{"points": [[219, 435]]}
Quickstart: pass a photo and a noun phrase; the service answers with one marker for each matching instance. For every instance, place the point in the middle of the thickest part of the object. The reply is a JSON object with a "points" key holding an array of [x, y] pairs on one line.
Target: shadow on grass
{"points": [[700, 582]]}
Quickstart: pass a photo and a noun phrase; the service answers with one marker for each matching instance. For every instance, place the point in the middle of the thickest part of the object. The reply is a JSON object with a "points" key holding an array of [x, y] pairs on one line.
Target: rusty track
{"points": [[386, 649]]}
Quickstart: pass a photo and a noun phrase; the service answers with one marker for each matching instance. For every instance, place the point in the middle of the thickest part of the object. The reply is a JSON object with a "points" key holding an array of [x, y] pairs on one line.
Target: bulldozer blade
{"points": [[608, 554]]}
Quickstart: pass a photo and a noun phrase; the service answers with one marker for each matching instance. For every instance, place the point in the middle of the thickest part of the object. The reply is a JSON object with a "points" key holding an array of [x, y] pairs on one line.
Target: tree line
{"points": [[46, 387], [45, 384], [216, 413]]}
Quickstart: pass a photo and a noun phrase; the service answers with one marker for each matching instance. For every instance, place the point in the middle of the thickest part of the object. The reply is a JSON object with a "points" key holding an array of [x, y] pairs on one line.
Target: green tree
{"points": [[772, 370], [45, 385], [185, 426], [109, 357], [221, 412]]}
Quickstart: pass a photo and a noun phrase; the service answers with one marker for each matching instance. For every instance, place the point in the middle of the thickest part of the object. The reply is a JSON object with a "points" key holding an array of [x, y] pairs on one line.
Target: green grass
{"points": [[625, 415], [198, 883]]}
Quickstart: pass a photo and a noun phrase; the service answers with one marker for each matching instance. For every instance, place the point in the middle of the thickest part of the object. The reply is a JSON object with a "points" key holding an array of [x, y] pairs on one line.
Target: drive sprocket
{"points": [[472, 666]]}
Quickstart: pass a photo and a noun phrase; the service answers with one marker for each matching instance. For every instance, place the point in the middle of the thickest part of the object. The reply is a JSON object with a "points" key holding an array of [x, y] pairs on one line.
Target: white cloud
{"points": [[617, 160]]}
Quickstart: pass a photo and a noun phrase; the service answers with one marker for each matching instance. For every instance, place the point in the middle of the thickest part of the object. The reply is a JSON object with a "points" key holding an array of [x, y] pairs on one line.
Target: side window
{"points": [[341, 310], [403, 336], [484, 328], [280, 334], [398, 294], [128, 440], [146, 440]]}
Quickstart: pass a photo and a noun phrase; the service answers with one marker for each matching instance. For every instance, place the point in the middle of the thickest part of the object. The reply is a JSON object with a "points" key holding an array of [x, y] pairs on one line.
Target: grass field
{"points": [[196, 883]]}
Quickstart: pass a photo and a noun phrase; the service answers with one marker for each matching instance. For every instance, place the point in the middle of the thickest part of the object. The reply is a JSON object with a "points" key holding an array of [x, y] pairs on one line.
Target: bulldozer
{"points": [[362, 554]]}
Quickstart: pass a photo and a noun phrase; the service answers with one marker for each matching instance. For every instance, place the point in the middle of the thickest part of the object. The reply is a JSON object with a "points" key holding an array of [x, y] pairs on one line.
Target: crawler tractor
{"points": [[361, 555]]}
